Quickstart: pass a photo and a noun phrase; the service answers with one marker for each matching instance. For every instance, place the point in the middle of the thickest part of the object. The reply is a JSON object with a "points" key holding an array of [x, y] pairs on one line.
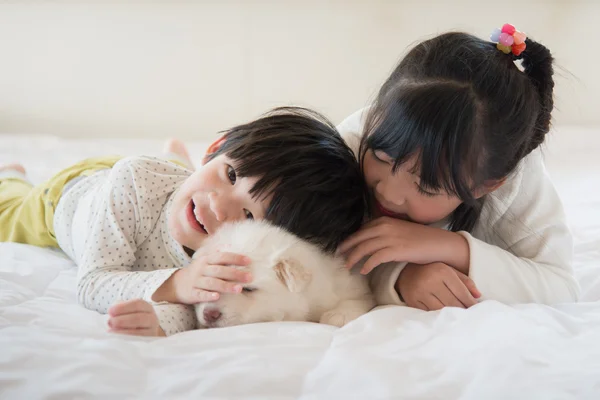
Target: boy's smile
{"points": [[195, 219], [211, 196]]}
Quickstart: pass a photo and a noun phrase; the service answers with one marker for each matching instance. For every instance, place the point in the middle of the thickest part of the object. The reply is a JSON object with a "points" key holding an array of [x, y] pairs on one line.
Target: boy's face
{"points": [[213, 195]]}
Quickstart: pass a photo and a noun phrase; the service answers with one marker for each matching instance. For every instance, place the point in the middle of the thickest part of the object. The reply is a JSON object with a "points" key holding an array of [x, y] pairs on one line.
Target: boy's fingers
{"points": [[134, 332], [130, 307], [227, 273], [228, 259], [205, 296], [132, 321], [217, 285]]}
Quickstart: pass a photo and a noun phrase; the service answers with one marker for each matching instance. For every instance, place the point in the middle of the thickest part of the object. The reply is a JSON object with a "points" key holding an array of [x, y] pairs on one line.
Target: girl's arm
{"points": [[519, 252], [522, 250]]}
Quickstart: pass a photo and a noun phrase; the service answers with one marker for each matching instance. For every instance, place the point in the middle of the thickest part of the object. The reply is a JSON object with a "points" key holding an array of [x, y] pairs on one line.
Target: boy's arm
{"points": [[138, 317], [113, 225]]}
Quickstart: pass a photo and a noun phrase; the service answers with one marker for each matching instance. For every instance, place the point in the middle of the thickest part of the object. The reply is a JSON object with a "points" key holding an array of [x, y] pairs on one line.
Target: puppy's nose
{"points": [[211, 315]]}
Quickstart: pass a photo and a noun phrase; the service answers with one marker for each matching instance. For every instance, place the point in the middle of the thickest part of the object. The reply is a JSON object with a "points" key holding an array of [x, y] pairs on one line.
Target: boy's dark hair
{"points": [[299, 157], [466, 111]]}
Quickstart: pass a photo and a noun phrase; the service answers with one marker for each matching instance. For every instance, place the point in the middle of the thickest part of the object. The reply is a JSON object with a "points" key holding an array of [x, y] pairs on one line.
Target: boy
{"points": [[131, 224]]}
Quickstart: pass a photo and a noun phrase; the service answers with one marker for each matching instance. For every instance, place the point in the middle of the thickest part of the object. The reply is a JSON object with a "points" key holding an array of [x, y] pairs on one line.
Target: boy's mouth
{"points": [[194, 220]]}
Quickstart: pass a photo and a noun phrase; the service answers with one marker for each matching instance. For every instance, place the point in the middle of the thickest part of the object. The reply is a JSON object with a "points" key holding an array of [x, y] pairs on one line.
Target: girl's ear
{"points": [[216, 145], [488, 187]]}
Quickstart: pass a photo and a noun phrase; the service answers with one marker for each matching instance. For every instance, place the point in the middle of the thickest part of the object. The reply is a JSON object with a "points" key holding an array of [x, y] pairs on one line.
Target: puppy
{"points": [[293, 280]]}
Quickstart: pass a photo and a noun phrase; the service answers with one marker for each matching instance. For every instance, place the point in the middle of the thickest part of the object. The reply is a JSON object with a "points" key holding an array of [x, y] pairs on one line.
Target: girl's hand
{"points": [[134, 317], [434, 286], [388, 239], [205, 277]]}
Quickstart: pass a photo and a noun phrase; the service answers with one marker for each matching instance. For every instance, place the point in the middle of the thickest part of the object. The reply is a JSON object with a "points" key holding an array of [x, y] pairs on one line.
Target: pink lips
{"points": [[191, 217], [388, 213]]}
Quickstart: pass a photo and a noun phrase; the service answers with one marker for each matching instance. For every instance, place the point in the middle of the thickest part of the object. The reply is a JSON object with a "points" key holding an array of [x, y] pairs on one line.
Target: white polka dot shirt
{"points": [[113, 224]]}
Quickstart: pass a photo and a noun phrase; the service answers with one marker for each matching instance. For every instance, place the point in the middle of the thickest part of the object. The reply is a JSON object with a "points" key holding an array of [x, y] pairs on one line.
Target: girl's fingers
{"points": [[460, 291], [447, 298], [227, 273], [364, 249], [470, 285], [433, 303], [130, 307], [358, 237], [381, 257]]}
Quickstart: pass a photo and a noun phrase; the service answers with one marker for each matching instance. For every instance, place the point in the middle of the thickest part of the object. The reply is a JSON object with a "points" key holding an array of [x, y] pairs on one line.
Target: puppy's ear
{"points": [[292, 274]]}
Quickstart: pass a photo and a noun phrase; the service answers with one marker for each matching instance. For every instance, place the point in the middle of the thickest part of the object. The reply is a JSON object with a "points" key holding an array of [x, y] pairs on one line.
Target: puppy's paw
{"points": [[346, 312], [333, 318]]}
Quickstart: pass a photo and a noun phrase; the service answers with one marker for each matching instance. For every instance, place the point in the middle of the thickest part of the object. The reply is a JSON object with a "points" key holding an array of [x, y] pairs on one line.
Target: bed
{"points": [[52, 348]]}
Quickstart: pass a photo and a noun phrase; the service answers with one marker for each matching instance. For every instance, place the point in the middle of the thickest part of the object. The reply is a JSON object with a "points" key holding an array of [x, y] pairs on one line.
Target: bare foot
{"points": [[176, 146], [14, 167]]}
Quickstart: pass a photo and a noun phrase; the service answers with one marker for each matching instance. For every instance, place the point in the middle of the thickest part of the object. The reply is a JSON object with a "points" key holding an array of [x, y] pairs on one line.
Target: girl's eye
{"points": [[231, 174], [248, 289], [248, 214], [425, 192], [380, 156]]}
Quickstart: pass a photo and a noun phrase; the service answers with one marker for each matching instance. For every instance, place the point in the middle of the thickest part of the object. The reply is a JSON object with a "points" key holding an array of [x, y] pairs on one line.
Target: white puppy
{"points": [[293, 280]]}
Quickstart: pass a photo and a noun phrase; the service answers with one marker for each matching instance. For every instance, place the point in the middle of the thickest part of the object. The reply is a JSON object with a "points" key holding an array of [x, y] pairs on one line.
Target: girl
{"points": [[463, 208]]}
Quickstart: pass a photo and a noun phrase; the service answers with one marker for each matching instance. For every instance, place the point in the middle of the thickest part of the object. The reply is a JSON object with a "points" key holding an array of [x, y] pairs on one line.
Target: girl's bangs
{"points": [[430, 125]]}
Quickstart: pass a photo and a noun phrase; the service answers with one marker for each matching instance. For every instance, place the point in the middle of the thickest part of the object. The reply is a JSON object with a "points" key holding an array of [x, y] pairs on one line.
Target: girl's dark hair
{"points": [[300, 159], [465, 111]]}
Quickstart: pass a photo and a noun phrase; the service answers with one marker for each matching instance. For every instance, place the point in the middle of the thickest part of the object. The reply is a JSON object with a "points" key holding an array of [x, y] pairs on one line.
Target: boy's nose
{"points": [[217, 206]]}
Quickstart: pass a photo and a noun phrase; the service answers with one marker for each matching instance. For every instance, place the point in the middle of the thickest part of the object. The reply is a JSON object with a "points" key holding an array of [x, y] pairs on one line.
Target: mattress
{"points": [[52, 348]]}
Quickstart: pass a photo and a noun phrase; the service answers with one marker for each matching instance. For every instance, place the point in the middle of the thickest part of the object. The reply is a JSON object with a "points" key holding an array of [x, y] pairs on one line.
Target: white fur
{"points": [[293, 280]]}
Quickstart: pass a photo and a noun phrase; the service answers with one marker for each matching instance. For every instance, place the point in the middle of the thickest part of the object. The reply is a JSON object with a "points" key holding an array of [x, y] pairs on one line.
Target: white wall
{"points": [[191, 68]]}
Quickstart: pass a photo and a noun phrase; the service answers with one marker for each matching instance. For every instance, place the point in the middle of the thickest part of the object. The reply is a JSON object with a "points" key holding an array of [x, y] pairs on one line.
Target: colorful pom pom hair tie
{"points": [[509, 40]]}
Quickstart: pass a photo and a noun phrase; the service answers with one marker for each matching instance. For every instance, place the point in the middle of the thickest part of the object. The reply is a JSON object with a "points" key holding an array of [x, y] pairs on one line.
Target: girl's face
{"points": [[400, 195]]}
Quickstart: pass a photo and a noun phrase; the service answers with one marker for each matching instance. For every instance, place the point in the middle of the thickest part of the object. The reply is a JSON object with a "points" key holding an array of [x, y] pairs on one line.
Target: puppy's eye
{"points": [[248, 289]]}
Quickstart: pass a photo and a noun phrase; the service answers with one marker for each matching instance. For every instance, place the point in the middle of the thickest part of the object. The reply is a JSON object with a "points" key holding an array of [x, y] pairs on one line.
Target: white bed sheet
{"points": [[52, 348]]}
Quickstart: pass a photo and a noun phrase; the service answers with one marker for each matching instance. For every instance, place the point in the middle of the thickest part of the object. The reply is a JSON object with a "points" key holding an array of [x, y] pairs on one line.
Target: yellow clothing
{"points": [[27, 211]]}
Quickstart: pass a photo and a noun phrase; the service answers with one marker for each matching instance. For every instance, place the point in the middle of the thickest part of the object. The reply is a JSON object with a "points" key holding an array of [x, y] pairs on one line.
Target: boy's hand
{"points": [[434, 286], [134, 317], [205, 277]]}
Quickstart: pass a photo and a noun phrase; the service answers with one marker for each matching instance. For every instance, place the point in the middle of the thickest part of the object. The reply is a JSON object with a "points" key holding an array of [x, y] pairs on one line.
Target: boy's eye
{"points": [[248, 214], [231, 174], [248, 289]]}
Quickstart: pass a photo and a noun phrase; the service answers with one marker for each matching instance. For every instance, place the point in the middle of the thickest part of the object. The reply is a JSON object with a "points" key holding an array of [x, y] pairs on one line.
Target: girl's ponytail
{"points": [[537, 64]]}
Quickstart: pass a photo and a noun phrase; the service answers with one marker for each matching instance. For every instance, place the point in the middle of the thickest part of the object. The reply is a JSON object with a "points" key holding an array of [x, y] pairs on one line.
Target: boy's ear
{"points": [[488, 187], [216, 145]]}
